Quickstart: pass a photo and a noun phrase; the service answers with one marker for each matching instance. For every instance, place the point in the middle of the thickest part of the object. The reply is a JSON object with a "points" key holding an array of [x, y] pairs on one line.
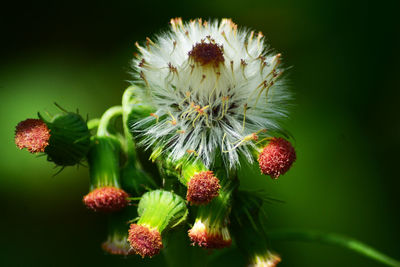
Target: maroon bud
{"points": [[277, 157], [144, 241], [32, 134], [202, 188], [106, 199]]}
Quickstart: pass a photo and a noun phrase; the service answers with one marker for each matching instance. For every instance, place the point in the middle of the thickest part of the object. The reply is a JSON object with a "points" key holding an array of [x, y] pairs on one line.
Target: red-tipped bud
{"points": [[277, 157], [204, 236], [202, 188], [144, 241], [32, 134], [106, 199]]}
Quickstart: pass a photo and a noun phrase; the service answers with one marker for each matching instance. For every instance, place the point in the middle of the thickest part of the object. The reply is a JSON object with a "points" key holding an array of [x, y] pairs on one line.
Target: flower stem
{"points": [[126, 107], [332, 239], [105, 120]]}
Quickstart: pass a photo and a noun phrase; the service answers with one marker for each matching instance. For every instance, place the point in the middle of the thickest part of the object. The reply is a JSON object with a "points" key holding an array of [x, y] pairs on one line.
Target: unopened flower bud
{"points": [[157, 211], [70, 139], [202, 185], [202, 188], [145, 242], [210, 229], [277, 157], [32, 134], [106, 194], [106, 199], [206, 235]]}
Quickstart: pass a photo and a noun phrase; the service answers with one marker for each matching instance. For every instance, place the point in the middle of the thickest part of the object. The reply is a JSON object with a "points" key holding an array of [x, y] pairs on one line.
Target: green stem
{"points": [[333, 239], [126, 107], [105, 120]]}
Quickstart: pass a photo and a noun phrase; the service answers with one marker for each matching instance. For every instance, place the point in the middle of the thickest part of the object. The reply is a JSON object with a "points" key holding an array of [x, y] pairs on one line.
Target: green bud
{"points": [[161, 209], [103, 159], [210, 229], [157, 210], [70, 139], [105, 194], [189, 169]]}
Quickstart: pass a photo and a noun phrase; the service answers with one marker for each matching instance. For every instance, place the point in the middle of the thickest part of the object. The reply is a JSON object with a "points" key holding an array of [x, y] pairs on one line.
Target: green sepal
{"points": [[218, 210], [103, 159], [161, 209], [69, 138], [182, 169], [190, 168]]}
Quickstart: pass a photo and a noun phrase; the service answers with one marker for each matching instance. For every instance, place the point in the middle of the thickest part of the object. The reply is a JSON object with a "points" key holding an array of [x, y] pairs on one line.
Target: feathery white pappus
{"points": [[215, 87]]}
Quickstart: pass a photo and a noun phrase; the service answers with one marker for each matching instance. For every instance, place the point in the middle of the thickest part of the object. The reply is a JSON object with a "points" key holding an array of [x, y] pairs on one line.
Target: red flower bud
{"points": [[32, 134], [208, 237], [106, 199], [277, 157], [202, 188], [144, 241]]}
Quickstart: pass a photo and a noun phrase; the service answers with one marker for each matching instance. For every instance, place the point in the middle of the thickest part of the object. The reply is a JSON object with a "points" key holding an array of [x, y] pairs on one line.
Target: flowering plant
{"points": [[207, 97]]}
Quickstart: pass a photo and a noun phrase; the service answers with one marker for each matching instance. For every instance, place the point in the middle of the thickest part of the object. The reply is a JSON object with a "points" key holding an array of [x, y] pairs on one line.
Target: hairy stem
{"points": [[333, 239]]}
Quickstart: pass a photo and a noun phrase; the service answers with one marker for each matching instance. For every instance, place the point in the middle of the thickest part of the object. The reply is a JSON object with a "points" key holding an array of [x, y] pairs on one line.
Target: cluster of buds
{"points": [[207, 95]]}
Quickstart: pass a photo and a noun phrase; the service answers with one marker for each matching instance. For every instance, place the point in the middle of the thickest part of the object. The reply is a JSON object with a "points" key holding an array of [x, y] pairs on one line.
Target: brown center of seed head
{"points": [[207, 54]]}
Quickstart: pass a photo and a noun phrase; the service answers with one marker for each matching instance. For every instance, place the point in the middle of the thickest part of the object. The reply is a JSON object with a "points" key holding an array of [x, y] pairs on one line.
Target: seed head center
{"points": [[207, 54]]}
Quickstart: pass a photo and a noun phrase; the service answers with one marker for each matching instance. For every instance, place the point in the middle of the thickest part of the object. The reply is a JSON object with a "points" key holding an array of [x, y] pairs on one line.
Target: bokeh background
{"points": [[345, 119]]}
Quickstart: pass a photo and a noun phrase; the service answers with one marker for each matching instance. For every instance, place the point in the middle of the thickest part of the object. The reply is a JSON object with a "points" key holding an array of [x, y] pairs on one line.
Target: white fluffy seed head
{"points": [[216, 89]]}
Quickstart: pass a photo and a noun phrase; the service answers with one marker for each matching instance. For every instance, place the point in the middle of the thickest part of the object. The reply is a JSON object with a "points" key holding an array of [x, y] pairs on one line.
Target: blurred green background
{"points": [[345, 77]]}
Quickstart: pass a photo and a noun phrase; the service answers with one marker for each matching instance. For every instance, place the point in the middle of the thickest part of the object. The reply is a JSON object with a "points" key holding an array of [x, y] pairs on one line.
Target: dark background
{"points": [[345, 77]]}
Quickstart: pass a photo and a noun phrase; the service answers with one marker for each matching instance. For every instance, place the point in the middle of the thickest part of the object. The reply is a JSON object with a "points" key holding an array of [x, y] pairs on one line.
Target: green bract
{"points": [[217, 212], [161, 209], [70, 139], [103, 161]]}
